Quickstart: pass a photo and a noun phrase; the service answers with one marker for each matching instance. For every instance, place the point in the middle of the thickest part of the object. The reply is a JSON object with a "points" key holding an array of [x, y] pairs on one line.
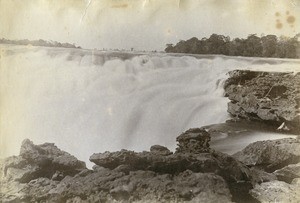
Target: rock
{"points": [[271, 155], [57, 176], [48, 152], [288, 173], [195, 140], [26, 178], [161, 150], [115, 159], [194, 173], [36, 161], [192, 154], [198, 158], [271, 97], [277, 191], [260, 176], [9, 173], [138, 186], [174, 163], [11, 191], [123, 168]]}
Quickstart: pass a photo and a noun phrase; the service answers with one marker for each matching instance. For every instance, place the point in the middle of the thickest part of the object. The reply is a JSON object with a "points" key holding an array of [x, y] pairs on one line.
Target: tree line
{"points": [[39, 42], [252, 46]]}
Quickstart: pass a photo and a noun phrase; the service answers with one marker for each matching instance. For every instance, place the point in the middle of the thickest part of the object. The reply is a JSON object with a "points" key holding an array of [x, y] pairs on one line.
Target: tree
{"points": [[192, 44], [253, 46], [169, 48], [269, 43], [181, 47], [216, 42], [237, 47]]}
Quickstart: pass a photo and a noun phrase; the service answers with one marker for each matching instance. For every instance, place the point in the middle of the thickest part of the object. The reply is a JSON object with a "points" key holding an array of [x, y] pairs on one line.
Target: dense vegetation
{"points": [[253, 46], [37, 43]]}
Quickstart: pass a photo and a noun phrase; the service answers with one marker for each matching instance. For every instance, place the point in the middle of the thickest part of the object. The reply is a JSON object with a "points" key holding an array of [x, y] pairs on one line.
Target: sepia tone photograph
{"points": [[149, 101]]}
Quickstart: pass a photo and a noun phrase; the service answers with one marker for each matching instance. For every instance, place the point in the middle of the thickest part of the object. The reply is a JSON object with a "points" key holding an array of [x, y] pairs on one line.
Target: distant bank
{"points": [[39, 42], [253, 46]]}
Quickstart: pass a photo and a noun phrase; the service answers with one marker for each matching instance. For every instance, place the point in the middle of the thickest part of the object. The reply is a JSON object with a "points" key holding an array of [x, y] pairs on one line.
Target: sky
{"points": [[144, 24]]}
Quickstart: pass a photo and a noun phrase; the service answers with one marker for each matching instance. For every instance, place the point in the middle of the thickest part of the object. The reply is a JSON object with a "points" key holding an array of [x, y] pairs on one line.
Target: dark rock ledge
{"points": [[270, 101], [193, 173], [269, 97]]}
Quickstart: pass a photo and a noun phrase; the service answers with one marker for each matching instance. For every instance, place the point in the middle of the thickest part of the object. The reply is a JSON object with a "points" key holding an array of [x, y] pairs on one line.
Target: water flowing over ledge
{"points": [[109, 101], [134, 101]]}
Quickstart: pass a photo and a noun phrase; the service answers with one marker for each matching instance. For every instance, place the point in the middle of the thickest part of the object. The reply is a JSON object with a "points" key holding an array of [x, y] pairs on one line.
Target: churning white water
{"points": [[89, 101]]}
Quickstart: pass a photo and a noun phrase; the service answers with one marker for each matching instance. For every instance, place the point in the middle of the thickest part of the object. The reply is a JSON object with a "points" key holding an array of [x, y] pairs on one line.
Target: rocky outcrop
{"points": [[193, 154], [103, 185], [271, 97], [270, 155], [271, 101], [288, 173], [195, 140], [283, 155], [36, 161], [193, 173], [277, 191]]}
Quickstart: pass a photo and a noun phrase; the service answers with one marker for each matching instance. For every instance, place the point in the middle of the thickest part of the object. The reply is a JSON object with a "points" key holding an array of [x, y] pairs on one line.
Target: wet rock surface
{"points": [[195, 140], [41, 164], [194, 174], [288, 173], [277, 191], [271, 155], [271, 97], [36, 161], [193, 154], [283, 184]]}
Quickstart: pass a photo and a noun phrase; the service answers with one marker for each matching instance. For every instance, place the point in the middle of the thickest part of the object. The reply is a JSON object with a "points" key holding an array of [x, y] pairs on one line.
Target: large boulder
{"points": [[277, 191], [271, 97], [160, 150], [288, 173], [194, 140], [36, 161], [270, 155], [38, 168]]}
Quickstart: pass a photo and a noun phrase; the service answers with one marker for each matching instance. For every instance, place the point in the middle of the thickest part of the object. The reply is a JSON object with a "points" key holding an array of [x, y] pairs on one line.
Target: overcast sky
{"points": [[144, 24]]}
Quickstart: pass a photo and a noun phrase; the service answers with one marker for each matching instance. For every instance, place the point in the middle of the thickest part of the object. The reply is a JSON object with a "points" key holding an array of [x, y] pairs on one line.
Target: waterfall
{"points": [[90, 101]]}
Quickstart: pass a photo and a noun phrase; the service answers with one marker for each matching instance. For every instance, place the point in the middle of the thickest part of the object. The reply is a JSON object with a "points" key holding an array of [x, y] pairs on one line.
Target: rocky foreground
{"points": [[193, 173], [265, 171]]}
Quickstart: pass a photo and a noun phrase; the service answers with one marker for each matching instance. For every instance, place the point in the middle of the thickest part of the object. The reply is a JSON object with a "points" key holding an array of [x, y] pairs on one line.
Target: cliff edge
{"points": [[270, 97]]}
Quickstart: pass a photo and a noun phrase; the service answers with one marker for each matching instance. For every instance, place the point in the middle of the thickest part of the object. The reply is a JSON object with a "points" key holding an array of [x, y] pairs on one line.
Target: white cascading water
{"points": [[89, 101]]}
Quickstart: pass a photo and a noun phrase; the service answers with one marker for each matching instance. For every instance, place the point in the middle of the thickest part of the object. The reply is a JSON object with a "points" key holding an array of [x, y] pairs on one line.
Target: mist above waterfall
{"points": [[90, 101]]}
